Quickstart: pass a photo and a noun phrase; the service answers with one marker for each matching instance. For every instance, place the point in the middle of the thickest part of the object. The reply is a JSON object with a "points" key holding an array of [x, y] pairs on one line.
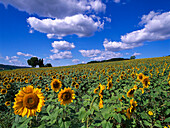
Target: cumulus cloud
{"points": [[61, 55], [80, 25], [75, 60], [118, 46], [90, 53], [105, 55], [157, 27], [63, 45], [54, 50], [136, 54], [116, 1], [23, 54], [14, 60], [56, 8], [107, 19]]}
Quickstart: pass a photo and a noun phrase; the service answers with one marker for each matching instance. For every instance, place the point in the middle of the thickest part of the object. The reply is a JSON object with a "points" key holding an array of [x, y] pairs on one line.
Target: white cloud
{"points": [[90, 53], [157, 27], [23, 54], [14, 60], [105, 55], [56, 8], [136, 54], [63, 45], [61, 55], [54, 50], [118, 46], [107, 19], [116, 1], [75, 60], [83, 62], [127, 53], [80, 25]]}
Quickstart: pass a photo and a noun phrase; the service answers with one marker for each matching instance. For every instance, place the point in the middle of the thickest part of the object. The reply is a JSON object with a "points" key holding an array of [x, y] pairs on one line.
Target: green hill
{"points": [[10, 67]]}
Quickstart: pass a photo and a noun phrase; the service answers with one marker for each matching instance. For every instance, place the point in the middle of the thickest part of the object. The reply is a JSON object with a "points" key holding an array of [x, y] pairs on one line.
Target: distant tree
{"points": [[48, 65], [33, 61], [132, 57], [40, 63]]}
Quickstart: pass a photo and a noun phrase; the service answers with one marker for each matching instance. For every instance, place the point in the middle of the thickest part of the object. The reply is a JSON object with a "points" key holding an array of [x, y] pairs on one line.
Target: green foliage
{"points": [[33, 61]]}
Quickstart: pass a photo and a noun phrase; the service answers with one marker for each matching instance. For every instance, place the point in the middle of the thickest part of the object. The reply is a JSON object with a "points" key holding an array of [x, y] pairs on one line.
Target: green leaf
{"points": [[167, 120], [95, 106], [167, 112], [106, 124], [147, 123], [117, 117]]}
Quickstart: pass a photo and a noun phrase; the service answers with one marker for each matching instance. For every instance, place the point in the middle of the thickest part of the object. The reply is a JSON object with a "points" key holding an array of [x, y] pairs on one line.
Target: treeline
{"points": [[34, 61], [113, 59], [10, 67]]}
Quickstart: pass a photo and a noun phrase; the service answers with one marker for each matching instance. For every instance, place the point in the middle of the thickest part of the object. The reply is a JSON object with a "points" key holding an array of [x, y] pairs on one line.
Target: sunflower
{"points": [[140, 76], [117, 80], [8, 86], [142, 89], [130, 93], [26, 81], [150, 113], [95, 90], [133, 105], [109, 85], [121, 76], [47, 89], [3, 91], [73, 83], [56, 85], [128, 113], [101, 104], [77, 86], [7, 103], [28, 101], [146, 82], [84, 76], [66, 96], [40, 78]]}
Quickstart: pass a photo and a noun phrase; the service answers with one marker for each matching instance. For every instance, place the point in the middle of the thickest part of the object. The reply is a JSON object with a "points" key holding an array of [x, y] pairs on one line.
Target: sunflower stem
{"points": [[90, 109]]}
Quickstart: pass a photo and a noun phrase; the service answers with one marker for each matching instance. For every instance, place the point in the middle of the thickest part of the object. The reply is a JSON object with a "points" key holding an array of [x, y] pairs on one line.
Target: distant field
{"points": [[130, 93]]}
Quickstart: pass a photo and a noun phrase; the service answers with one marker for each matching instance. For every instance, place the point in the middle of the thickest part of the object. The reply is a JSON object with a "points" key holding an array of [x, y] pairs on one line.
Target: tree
{"points": [[48, 65], [40, 63], [132, 57], [33, 61]]}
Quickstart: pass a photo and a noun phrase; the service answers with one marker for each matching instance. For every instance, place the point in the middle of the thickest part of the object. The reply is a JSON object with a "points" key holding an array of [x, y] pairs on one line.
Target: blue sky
{"points": [[67, 32]]}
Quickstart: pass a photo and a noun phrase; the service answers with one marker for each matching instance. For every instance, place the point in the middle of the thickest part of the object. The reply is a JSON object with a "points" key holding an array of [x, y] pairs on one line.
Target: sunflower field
{"points": [[122, 94]]}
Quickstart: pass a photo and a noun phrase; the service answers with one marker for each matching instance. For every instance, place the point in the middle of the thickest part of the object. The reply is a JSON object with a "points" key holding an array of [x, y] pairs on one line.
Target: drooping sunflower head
{"points": [[7, 103], [146, 81], [140, 76], [66, 96], [109, 85], [47, 89], [128, 113], [3, 91], [130, 93], [56, 85], [28, 101]]}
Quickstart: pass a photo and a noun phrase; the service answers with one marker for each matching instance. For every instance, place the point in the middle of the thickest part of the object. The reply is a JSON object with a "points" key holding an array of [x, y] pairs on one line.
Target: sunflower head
{"points": [[146, 82], [77, 86], [3, 91], [28, 101], [109, 85], [130, 93], [95, 90], [47, 89], [128, 113], [56, 85], [7, 103], [150, 113], [140, 76], [117, 80], [40, 78], [66, 96]]}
